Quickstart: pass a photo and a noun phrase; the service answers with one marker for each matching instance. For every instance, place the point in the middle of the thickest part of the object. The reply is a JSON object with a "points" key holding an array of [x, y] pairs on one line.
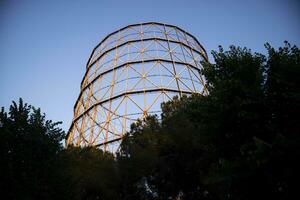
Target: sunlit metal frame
{"points": [[128, 75]]}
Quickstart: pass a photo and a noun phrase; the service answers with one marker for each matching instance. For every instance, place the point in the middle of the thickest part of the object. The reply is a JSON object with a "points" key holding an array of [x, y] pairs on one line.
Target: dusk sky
{"points": [[45, 45]]}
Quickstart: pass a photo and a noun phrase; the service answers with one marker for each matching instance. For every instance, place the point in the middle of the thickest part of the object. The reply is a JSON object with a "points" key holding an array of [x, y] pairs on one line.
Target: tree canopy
{"points": [[241, 141], [29, 145]]}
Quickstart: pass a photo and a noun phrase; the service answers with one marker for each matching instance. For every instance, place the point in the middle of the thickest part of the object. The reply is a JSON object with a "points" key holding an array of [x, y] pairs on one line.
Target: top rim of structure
{"points": [[144, 23]]}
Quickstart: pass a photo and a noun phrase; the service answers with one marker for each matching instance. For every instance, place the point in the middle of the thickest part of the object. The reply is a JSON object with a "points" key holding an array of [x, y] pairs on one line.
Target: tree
{"points": [[28, 145], [238, 142], [86, 173], [34, 164], [137, 158], [241, 141]]}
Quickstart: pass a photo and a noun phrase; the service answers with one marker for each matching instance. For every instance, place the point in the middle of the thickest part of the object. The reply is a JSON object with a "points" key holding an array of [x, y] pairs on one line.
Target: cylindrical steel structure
{"points": [[128, 75]]}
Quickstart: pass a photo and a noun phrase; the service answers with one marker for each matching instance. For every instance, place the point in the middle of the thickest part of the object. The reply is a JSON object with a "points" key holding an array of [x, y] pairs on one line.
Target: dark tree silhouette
{"points": [[86, 173], [241, 141], [28, 145]]}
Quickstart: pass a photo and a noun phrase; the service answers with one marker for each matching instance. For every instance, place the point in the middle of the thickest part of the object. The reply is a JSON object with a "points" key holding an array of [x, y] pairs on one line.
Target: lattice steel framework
{"points": [[128, 75]]}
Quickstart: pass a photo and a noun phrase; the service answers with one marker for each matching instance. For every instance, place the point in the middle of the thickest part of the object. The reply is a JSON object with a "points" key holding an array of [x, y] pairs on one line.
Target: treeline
{"points": [[239, 142]]}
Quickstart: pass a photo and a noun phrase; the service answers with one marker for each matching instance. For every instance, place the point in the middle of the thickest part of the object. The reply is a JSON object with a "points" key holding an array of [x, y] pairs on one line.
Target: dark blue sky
{"points": [[44, 45]]}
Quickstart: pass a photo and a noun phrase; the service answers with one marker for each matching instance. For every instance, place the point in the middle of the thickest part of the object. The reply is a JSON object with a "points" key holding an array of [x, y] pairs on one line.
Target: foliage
{"points": [[86, 173], [29, 144], [241, 141]]}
